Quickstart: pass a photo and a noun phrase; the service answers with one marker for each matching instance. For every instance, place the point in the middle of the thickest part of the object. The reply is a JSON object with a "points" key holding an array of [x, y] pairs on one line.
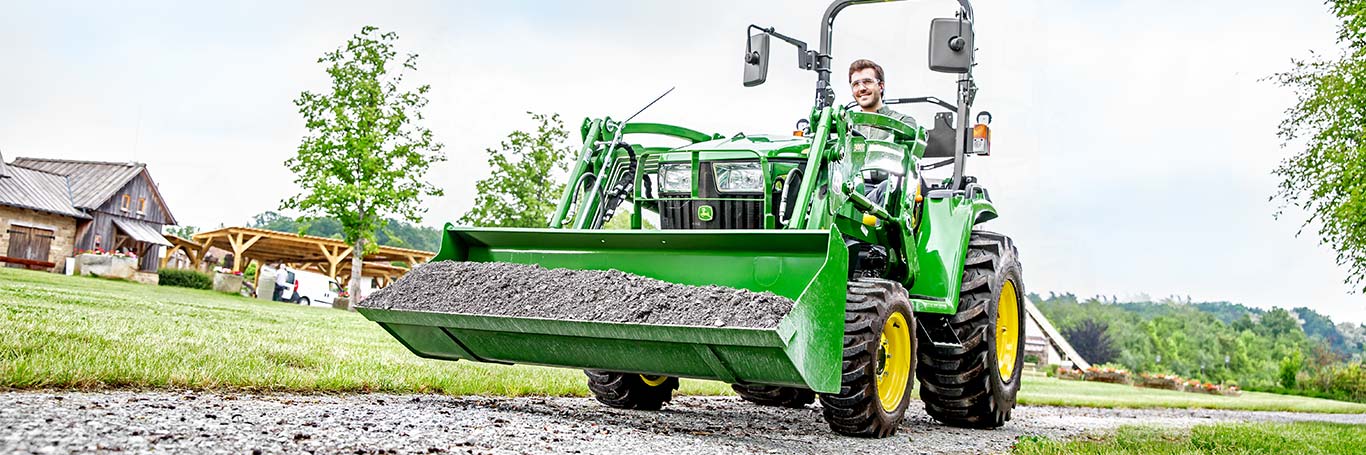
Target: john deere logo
{"points": [[704, 213]]}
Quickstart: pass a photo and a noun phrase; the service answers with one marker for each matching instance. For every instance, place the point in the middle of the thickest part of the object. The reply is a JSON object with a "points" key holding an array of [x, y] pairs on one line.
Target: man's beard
{"points": [[872, 101]]}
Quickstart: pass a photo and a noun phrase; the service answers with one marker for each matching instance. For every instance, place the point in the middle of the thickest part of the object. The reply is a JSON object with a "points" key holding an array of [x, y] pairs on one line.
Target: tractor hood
{"points": [[743, 146]]}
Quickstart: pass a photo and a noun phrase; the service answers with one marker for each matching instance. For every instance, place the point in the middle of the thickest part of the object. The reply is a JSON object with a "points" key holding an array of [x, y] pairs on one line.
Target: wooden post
{"points": [[169, 254], [334, 257], [240, 245]]}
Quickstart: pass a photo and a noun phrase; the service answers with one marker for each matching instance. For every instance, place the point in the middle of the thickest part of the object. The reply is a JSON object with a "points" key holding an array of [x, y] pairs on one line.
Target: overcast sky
{"points": [[1133, 141]]}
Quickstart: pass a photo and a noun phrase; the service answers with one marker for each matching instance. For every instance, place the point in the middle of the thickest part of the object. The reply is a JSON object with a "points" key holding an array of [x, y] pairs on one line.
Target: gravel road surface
{"points": [[204, 422]]}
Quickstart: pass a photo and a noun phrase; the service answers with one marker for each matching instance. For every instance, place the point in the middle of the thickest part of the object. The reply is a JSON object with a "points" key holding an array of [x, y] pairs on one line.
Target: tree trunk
{"points": [[357, 253]]}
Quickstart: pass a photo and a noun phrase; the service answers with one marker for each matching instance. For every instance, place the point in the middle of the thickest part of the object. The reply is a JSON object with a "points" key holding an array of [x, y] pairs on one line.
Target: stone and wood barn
{"points": [[118, 207], [38, 224]]}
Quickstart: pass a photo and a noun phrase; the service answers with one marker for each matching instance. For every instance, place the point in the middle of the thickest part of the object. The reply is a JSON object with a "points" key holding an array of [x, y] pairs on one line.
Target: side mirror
{"points": [[950, 45], [756, 60]]}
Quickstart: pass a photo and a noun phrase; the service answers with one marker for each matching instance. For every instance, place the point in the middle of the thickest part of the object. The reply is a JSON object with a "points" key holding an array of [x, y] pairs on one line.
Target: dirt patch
{"points": [[503, 289]]}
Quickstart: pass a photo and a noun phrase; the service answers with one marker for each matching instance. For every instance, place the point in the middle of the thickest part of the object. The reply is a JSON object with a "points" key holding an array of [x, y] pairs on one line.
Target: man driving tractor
{"points": [[866, 83]]}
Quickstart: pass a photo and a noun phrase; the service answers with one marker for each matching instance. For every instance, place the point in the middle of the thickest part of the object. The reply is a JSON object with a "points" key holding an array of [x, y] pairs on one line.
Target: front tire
{"points": [[879, 361], [305, 302], [975, 386], [630, 390]]}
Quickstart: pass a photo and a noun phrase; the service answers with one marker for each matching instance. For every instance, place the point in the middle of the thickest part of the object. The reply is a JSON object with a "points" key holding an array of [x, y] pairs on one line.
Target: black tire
{"points": [[768, 395], [965, 386], [630, 390], [305, 302], [858, 409]]}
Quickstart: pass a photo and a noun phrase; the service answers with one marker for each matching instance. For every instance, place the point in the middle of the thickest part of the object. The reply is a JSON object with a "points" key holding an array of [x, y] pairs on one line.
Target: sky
{"points": [[1133, 142]]}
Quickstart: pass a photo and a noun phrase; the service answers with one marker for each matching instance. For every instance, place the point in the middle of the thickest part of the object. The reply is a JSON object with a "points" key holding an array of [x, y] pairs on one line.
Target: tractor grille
{"points": [[726, 214], [732, 214]]}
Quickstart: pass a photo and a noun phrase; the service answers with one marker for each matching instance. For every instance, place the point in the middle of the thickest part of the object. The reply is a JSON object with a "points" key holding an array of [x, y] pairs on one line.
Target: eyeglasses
{"points": [[869, 82]]}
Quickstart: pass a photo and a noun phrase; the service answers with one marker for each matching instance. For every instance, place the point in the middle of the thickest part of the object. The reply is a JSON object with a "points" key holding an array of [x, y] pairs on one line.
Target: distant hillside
{"points": [[1208, 340]]}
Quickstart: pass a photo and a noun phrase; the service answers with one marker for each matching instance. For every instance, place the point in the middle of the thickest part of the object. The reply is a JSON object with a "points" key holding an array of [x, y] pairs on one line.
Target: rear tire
{"points": [[975, 386], [630, 390], [305, 302], [879, 361], [768, 395]]}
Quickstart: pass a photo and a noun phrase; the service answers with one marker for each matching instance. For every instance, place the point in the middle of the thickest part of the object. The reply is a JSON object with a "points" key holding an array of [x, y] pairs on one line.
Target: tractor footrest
{"points": [[947, 345]]}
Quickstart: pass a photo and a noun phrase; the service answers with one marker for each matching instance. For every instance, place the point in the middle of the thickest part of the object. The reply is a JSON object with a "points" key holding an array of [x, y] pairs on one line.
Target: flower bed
{"points": [[1107, 374], [1070, 374], [1161, 381]]}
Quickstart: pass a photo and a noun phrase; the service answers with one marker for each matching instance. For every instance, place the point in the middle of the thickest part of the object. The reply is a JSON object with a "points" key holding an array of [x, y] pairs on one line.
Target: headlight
{"points": [[675, 178], [738, 177]]}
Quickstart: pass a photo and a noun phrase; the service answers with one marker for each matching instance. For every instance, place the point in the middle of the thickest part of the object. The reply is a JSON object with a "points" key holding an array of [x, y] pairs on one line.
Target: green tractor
{"points": [[890, 278]]}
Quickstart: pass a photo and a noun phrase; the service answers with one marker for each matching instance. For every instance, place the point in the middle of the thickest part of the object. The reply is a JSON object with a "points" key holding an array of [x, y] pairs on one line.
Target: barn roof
{"points": [[37, 190], [94, 182]]}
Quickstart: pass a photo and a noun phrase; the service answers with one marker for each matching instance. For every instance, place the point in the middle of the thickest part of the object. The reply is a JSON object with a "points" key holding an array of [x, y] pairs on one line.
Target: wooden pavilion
{"points": [[328, 256]]}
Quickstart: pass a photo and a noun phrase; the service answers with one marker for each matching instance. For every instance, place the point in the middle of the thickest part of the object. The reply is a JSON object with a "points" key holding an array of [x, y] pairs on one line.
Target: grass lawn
{"points": [[1057, 392], [1233, 438], [76, 332]]}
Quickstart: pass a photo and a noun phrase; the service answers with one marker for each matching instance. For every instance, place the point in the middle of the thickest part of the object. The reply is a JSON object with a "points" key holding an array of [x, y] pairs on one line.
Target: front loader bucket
{"points": [[804, 350]]}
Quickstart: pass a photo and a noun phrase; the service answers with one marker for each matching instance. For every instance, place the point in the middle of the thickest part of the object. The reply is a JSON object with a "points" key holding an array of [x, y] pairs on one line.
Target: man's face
{"points": [[866, 87]]}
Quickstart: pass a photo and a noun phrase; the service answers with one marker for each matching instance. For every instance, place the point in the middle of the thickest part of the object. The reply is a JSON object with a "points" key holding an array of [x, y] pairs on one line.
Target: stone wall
{"points": [[63, 227]]}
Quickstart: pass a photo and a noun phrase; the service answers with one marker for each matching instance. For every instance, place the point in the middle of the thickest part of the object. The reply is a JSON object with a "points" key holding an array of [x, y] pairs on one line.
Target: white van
{"points": [[314, 289]]}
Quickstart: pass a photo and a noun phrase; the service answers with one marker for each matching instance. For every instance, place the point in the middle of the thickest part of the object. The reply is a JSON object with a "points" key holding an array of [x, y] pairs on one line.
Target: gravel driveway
{"points": [[215, 422]]}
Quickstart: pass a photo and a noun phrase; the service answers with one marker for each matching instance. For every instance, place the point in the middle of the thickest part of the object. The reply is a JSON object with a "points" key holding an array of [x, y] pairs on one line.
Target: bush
{"points": [[1051, 370], [184, 279], [1290, 368]]}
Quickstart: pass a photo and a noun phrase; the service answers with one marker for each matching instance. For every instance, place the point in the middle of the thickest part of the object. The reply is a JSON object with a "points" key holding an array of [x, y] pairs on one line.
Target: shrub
{"points": [[1051, 370], [1290, 368], [184, 279]]}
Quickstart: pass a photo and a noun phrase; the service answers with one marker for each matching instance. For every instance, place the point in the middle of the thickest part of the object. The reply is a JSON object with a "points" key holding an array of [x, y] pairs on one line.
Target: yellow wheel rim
{"points": [[894, 362], [1007, 331], [654, 381]]}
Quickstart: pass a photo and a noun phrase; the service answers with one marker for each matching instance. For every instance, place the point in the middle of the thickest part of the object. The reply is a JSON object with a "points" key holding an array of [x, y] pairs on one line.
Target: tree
{"points": [[183, 232], [521, 190], [1090, 340], [366, 153], [1328, 179]]}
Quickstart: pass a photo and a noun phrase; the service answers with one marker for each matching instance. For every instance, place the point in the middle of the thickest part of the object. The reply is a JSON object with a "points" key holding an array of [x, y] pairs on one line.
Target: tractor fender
{"points": [[941, 247]]}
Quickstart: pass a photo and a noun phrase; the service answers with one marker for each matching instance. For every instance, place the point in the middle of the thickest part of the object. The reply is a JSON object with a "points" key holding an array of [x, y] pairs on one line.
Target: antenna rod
{"points": [[647, 106]]}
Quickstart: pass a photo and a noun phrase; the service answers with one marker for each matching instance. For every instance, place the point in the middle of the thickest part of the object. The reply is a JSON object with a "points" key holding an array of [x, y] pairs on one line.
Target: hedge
{"points": [[185, 279]]}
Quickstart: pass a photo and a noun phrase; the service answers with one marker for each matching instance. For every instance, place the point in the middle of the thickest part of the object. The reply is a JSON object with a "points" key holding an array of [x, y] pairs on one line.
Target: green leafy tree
{"points": [[183, 232], [1328, 178], [366, 153], [1091, 341], [1290, 369], [522, 190]]}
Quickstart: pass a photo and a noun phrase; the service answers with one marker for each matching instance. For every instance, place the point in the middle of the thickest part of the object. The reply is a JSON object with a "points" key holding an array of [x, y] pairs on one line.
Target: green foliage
{"points": [[522, 190], [1185, 339], [184, 279], [1090, 339], [184, 232], [365, 153], [1327, 180], [1290, 368], [395, 232]]}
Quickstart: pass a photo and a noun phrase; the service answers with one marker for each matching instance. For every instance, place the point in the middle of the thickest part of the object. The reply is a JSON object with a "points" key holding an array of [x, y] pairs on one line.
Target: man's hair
{"points": [[863, 64]]}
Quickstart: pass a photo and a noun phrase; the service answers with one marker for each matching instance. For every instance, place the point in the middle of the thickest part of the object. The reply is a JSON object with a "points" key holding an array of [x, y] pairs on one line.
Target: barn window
{"points": [[127, 200], [142, 205]]}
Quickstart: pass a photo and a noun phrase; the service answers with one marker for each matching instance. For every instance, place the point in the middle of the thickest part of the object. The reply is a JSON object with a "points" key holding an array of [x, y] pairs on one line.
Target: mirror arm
{"points": [[805, 59]]}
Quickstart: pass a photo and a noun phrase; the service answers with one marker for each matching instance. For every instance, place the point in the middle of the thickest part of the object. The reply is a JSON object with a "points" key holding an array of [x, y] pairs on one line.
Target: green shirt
{"points": [[875, 133]]}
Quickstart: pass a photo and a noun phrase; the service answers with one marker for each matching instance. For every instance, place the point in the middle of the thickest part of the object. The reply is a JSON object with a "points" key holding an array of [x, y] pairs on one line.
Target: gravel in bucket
{"points": [[519, 290]]}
